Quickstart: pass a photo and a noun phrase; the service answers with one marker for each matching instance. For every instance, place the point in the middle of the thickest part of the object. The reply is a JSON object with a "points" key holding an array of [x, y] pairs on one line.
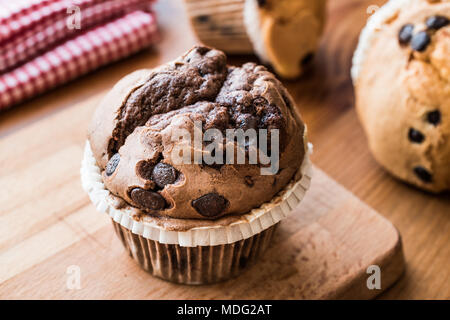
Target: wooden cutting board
{"points": [[49, 232]]}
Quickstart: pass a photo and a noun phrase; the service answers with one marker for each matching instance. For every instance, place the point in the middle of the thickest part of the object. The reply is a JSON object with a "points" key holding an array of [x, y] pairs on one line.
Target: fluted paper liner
{"points": [[200, 255], [220, 24], [254, 222], [194, 265]]}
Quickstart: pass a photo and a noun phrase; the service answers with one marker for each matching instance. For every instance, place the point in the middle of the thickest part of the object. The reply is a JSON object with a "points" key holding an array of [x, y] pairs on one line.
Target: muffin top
{"points": [[155, 133], [402, 76]]}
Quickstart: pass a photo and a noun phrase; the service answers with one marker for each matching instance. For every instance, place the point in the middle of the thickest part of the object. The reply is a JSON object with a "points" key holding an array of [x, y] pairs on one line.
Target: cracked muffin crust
{"points": [[131, 136], [401, 74]]}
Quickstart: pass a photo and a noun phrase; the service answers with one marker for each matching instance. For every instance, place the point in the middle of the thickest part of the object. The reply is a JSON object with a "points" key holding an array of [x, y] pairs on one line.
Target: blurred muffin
{"points": [[189, 212], [283, 33], [401, 73]]}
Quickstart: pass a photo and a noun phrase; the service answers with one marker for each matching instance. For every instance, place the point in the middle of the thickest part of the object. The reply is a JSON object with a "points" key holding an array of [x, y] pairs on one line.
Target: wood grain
{"points": [[325, 99]]}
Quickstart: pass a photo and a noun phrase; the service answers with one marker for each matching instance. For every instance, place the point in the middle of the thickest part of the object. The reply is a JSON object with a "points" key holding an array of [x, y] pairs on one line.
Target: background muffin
{"points": [[130, 150], [283, 33], [401, 74]]}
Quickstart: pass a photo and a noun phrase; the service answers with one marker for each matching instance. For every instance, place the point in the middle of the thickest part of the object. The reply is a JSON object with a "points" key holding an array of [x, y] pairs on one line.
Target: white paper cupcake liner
{"points": [[254, 222], [194, 265]]}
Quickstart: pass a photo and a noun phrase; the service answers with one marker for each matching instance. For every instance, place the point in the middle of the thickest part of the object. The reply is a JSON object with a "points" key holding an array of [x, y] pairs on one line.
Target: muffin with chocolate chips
{"points": [[164, 159], [284, 34], [401, 72]]}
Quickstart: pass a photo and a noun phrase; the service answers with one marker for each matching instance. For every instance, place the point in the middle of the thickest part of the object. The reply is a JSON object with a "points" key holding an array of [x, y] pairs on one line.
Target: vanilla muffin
{"points": [[401, 73], [130, 172], [283, 33]]}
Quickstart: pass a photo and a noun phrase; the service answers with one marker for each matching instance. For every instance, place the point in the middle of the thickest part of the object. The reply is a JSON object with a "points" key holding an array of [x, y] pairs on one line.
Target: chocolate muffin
{"points": [[401, 73], [133, 155]]}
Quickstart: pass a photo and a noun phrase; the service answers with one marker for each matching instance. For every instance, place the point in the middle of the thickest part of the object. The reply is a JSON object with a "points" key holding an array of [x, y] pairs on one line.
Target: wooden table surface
{"points": [[325, 98]]}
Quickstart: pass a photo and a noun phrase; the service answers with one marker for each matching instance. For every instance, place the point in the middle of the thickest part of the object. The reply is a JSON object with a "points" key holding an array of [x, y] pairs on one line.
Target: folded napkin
{"points": [[38, 51]]}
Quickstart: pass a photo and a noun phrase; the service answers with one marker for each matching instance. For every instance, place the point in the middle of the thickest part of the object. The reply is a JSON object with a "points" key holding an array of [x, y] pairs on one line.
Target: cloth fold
{"points": [[38, 51]]}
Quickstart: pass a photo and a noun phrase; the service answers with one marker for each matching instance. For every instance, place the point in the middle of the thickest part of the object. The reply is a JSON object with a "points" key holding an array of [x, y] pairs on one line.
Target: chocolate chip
{"points": [[210, 205], [405, 34], [164, 174], [259, 104], [215, 166], [202, 18], [249, 181], [112, 164], [203, 50], [420, 41], [307, 59], [415, 136], [147, 199], [262, 3], [144, 169], [434, 117], [423, 174], [437, 22]]}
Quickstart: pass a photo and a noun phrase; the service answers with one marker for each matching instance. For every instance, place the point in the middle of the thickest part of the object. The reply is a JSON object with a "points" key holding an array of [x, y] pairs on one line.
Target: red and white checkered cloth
{"points": [[76, 56], [27, 31]]}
